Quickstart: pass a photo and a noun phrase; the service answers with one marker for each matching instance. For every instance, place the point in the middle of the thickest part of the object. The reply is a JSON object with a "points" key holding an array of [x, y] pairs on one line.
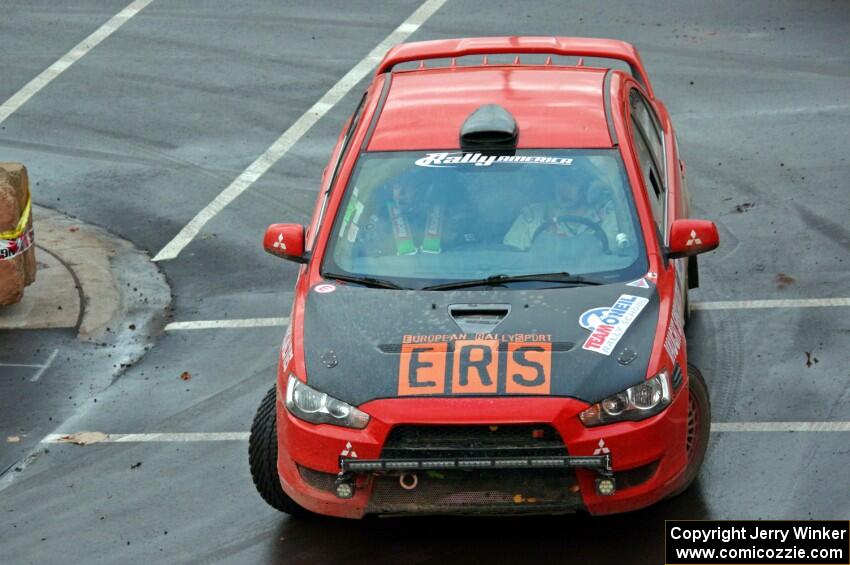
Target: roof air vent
{"points": [[489, 129]]}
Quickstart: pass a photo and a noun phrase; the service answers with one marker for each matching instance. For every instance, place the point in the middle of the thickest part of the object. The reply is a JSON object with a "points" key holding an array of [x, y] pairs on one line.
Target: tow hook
{"points": [[408, 481]]}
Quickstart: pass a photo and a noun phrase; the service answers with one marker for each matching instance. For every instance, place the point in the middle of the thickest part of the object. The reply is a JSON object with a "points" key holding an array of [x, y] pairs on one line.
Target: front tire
{"points": [[699, 427], [262, 458]]}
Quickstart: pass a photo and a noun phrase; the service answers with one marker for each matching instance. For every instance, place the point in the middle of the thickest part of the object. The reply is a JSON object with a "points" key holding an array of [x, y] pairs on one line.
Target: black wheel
{"points": [[699, 427], [262, 457]]}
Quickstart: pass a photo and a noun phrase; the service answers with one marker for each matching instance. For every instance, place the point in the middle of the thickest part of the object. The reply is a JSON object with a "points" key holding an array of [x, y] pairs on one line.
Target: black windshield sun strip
{"points": [[379, 108], [606, 96]]}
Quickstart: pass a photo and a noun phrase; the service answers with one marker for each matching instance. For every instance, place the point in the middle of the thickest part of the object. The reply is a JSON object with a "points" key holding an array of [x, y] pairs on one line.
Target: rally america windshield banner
{"points": [[479, 160]]}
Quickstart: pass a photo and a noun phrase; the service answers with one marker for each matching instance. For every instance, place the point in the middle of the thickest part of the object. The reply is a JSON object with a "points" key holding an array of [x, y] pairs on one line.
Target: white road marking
{"points": [[159, 438], [216, 324], [41, 368], [780, 427], [296, 131], [717, 427], [771, 112], [44, 367], [778, 303], [35, 85]]}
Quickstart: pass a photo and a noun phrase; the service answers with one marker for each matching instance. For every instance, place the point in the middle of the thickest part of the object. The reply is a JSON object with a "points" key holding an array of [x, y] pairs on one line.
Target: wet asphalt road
{"points": [[148, 127]]}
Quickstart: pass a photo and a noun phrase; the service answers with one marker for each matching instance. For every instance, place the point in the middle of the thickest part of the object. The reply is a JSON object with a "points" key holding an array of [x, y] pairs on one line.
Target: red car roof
{"points": [[554, 106]]}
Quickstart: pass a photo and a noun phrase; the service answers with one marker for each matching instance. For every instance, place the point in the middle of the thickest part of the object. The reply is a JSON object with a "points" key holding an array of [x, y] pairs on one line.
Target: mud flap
{"points": [[693, 272]]}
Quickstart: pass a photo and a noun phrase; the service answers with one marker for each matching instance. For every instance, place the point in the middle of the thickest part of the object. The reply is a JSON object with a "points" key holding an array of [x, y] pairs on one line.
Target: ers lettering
{"points": [[475, 367]]}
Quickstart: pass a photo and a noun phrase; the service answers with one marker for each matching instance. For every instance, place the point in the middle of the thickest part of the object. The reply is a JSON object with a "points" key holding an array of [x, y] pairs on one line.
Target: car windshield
{"points": [[427, 218]]}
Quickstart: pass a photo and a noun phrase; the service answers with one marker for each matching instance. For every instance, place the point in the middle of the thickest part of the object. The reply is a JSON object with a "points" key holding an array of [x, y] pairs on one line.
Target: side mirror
{"points": [[285, 240], [691, 237]]}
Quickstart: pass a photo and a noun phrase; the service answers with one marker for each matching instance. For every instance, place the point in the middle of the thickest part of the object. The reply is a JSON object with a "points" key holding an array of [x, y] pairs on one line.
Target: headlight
{"points": [[636, 403], [318, 408]]}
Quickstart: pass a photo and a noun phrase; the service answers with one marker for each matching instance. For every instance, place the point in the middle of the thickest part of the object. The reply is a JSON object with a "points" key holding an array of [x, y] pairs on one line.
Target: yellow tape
{"points": [[22, 223]]}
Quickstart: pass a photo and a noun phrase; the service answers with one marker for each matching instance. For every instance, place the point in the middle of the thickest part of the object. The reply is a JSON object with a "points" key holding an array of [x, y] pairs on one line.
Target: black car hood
{"points": [[362, 344]]}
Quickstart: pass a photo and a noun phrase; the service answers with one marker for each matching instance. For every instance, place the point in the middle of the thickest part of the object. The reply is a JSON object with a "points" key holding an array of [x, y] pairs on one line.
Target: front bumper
{"points": [[647, 458]]}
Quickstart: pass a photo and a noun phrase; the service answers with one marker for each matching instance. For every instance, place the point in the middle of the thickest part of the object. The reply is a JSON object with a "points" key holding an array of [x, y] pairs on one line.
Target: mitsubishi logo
{"points": [[348, 451], [601, 450], [279, 244], [694, 239]]}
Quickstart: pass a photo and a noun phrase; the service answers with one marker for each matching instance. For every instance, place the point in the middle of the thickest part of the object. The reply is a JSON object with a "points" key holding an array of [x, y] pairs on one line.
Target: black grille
{"points": [[317, 479], [449, 442], [507, 491], [475, 491], [635, 477], [677, 377]]}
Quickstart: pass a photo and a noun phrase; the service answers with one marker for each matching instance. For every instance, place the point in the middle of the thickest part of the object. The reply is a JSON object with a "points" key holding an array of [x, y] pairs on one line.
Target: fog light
{"points": [[344, 487], [605, 486]]}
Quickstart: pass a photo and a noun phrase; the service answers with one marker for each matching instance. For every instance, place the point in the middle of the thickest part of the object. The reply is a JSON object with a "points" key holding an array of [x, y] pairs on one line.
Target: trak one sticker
{"points": [[474, 366], [287, 349], [607, 325], [478, 160], [676, 331]]}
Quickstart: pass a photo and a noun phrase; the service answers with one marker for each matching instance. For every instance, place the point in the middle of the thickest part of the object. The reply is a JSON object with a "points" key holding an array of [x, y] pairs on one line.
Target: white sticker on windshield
{"points": [[352, 232], [358, 210], [479, 160]]}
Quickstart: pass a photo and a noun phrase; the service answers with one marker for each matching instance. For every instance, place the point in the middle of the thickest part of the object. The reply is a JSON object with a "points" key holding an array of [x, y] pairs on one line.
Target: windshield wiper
{"points": [[365, 281], [499, 279]]}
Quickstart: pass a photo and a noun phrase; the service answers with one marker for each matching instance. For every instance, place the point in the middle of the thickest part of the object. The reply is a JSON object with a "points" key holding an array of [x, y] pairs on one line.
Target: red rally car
{"points": [[489, 315]]}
